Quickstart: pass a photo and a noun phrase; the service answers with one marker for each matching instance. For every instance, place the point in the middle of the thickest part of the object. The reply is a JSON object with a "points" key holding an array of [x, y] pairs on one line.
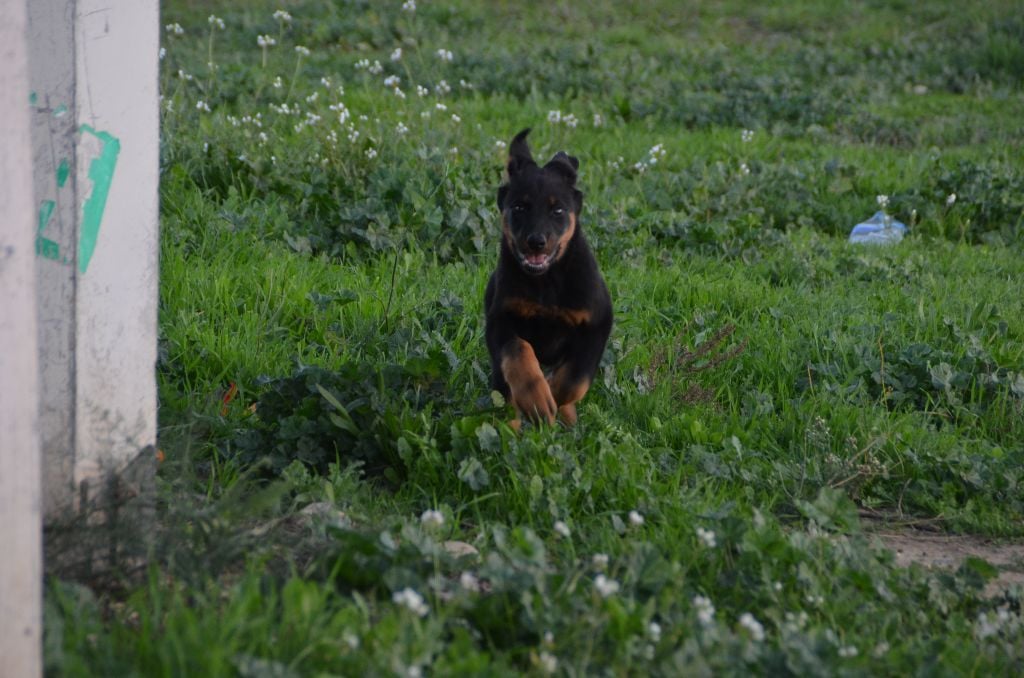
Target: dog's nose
{"points": [[536, 242]]}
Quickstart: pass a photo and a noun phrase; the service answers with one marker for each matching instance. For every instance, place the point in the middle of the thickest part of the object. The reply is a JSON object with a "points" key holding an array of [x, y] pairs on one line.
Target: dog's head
{"points": [[539, 206]]}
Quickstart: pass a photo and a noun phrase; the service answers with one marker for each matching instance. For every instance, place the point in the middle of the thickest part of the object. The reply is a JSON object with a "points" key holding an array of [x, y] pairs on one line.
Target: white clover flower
{"points": [[302, 50], [548, 662], [744, 169], [562, 529], [848, 651], [262, 138], [265, 41], [414, 671], [598, 120], [441, 107], [570, 120], [498, 143], [555, 117], [397, 54], [371, 153], [422, 91], [777, 585], [424, 114], [215, 21], [206, 147], [399, 93], [465, 84], [430, 518], [640, 167], [468, 581], [409, 6], [283, 16], [243, 158], [350, 639], [454, 150], [605, 586], [880, 650], [636, 518], [162, 53], [202, 106], [312, 97], [174, 29], [882, 200], [747, 135], [353, 135], [183, 75], [751, 624], [312, 118], [654, 631], [375, 68], [950, 199], [233, 121], [326, 82], [362, 64], [392, 81], [412, 600], [456, 118], [401, 129], [707, 537], [445, 55], [299, 126], [705, 610], [442, 88], [599, 561], [278, 84]]}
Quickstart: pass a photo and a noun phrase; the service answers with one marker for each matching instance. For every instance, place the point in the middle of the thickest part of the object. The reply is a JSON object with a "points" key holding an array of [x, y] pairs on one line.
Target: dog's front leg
{"points": [[528, 389]]}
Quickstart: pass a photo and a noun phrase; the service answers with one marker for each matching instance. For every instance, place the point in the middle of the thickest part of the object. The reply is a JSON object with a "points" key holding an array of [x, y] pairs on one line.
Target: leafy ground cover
{"points": [[340, 492]]}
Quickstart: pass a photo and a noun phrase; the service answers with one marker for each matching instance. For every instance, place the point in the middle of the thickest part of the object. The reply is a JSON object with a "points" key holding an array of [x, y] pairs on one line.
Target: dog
{"points": [[548, 311]]}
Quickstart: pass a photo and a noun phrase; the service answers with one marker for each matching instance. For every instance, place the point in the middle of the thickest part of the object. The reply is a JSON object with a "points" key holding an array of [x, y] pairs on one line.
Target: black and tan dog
{"points": [[548, 309]]}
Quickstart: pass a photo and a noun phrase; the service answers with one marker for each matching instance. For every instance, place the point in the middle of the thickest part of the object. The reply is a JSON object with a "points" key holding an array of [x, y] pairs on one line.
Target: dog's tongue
{"points": [[536, 259]]}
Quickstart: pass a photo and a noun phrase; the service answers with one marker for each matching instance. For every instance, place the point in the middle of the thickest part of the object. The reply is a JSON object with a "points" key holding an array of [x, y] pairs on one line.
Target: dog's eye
{"points": [[519, 208], [557, 211]]}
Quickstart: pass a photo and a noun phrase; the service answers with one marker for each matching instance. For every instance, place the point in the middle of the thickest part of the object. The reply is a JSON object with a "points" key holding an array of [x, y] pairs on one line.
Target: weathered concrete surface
{"points": [[20, 503], [95, 130], [117, 112]]}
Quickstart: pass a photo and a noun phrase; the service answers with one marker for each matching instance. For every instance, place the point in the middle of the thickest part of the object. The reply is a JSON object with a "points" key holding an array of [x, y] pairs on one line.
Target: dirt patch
{"points": [[948, 552]]}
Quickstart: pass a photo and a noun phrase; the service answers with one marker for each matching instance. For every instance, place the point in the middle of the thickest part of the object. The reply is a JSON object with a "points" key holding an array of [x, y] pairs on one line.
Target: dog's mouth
{"points": [[536, 263]]}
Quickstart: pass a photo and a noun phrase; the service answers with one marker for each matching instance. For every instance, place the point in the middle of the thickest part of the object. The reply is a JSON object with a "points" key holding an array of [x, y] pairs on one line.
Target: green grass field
{"points": [[770, 396]]}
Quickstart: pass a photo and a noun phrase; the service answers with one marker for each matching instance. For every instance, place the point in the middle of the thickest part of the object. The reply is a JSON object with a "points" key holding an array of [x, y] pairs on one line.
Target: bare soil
{"points": [[948, 552]]}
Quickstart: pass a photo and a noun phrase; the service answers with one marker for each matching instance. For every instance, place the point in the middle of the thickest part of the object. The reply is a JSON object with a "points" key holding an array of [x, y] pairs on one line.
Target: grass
{"points": [[323, 373]]}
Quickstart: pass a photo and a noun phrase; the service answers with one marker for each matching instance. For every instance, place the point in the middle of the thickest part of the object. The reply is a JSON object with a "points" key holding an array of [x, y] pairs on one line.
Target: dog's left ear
{"points": [[564, 164], [519, 156]]}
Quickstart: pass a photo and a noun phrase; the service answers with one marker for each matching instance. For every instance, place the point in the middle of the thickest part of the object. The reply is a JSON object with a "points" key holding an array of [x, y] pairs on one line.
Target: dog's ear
{"points": [[502, 192], [578, 199], [566, 165], [519, 156]]}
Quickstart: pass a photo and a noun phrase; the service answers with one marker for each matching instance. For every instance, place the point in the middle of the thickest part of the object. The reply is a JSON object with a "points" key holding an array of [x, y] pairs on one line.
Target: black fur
{"points": [[547, 289]]}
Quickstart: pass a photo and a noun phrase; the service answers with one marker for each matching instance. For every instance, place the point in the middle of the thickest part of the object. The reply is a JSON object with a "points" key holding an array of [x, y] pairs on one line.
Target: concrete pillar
{"points": [[95, 131], [20, 505]]}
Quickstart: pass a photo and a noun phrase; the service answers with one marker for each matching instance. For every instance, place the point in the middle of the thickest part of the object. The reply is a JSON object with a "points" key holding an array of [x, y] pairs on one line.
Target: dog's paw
{"points": [[535, 402]]}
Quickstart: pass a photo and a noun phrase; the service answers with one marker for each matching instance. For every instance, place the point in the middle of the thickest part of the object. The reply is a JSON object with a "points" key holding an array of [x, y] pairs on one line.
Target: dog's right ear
{"points": [[519, 156], [502, 192]]}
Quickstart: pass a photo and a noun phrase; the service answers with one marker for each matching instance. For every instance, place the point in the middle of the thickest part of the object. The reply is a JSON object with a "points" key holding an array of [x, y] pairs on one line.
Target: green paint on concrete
{"points": [[45, 212], [62, 173], [101, 172], [47, 249], [60, 111], [32, 98]]}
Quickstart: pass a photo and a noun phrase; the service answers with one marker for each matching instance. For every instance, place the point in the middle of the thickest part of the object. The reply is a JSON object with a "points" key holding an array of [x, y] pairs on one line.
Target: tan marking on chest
{"points": [[525, 308]]}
